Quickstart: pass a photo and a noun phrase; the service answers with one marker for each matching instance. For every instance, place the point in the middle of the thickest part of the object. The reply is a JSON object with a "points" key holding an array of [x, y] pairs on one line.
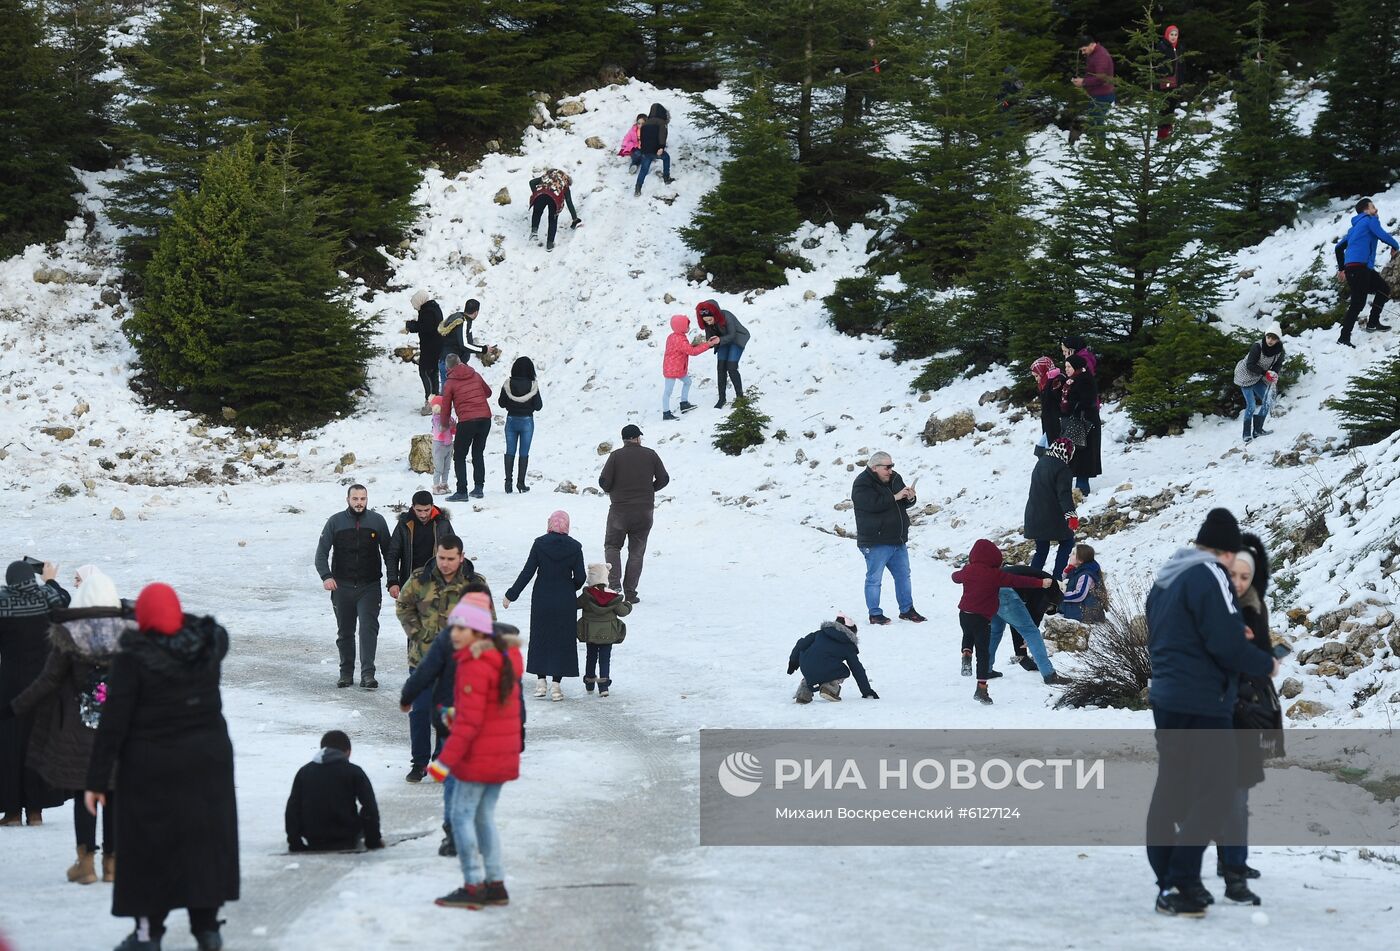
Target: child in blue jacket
{"points": [[827, 657]]}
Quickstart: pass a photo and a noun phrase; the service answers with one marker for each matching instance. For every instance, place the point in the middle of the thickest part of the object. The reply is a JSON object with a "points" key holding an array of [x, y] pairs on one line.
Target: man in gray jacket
{"points": [[360, 540], [632, 476]]}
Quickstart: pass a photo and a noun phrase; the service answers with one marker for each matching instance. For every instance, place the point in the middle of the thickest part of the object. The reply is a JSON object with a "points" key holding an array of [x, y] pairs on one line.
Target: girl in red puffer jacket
{"points": [[483, 751], [675, 364]]}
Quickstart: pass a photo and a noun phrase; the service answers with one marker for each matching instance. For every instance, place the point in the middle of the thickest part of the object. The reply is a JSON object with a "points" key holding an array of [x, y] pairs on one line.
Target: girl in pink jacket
{"points": [[632, 141], [675, 364]]}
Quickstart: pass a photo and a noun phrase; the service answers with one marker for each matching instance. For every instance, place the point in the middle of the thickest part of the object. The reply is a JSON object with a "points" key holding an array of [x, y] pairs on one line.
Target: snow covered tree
{"points": [[1371, 408], [744, 224], [322, 72], [1188, 368], [1357, 136], [244, 306], [36, 182], [1261, 157], [743, 427]]}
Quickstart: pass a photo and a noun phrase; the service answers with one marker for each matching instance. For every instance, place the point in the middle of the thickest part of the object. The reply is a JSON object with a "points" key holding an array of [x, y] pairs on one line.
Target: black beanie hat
{"points": [[422, 497], [1220, 531], [19, 572]]}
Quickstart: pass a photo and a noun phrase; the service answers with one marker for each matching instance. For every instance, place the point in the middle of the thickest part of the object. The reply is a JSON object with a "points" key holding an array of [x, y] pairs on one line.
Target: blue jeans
{"points": [[1098, 112], [1012, 610], [420, 727], [1236, 830], [519, 430], [647, 159], [729, 353], [471, 809], [442, 371], [1254, 397], [1042, 552], [896, 559], [671, 385]]}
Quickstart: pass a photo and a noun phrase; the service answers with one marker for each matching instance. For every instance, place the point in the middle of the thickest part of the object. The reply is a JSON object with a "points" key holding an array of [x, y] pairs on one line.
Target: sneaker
{"points": [[1026, 663], [1249, 871], [459, 497], [1056, 680], [967, 665], [668, 179], [447, 848], [603, 686], [345, 682], [556, 692], [632, 598], [878, 619], [1173, 902], [472, 897], [720, 404], [912, 615], [415, 775], [477, 493], [993, 674], [687, 407], [1346, 343], [981, 695], [1237, 888], [588, 683], [830, 691], [496, 894], [637, 192], [541, 687], [804, 692], [1377, 325], [1198, 893], [369, 683], [209, 940], [549, 245], [670, 415]]}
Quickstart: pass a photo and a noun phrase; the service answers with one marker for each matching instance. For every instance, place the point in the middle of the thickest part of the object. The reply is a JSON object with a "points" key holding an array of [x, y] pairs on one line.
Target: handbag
{"points": [[1076, 430]]}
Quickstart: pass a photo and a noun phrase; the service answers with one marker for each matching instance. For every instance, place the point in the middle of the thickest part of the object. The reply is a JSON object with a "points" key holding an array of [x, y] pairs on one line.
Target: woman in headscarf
{"points": [[26, 602], [1080, 421], [67, 699], [163, 729], [556, 564], [1047, 385]]}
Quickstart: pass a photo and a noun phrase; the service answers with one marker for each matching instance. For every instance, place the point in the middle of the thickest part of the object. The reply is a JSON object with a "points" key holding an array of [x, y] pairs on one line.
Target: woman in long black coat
{"points": [[25, 605], [556, 564], [1047, 385], [1080, 400], [163, 728]]}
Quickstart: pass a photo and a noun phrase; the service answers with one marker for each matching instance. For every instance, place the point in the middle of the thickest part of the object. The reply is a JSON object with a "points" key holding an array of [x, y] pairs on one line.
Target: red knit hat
{"points": [[158, 609]]}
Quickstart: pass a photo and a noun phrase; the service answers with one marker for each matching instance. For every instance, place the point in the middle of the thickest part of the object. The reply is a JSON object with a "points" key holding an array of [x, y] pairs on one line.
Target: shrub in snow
{"points": [[1115, 669], [743, 427], [1371, 409]]}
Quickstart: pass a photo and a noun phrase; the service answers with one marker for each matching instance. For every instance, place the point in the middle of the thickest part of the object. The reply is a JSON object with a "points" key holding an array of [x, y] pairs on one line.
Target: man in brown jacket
{"points": [[632, 476]]}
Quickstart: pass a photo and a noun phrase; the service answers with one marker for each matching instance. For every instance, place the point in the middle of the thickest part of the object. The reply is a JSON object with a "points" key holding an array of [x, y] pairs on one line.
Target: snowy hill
{"points": [[746, 557]]}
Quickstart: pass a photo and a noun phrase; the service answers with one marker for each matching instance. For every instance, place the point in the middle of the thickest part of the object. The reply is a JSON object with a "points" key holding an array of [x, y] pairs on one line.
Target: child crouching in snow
{"points": [[331, 806], [826, 657], [675, 364], [600, 627], [982, 580], [443, 436]]}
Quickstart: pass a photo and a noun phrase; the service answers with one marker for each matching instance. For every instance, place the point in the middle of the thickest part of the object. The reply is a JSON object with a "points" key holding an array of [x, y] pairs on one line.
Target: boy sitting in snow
{"points": [[826, 657], [322, 815]]}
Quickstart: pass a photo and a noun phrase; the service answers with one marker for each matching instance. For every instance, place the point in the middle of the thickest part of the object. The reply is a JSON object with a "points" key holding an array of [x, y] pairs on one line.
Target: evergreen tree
{"points": [[744, 224], [36, 182], [1357, 135], [743, 427], [1370, 409], [243, 305], [78, 32], [1188, 368], [675, 46], [1261, 156], [1134, 217], [182, 82], [322, 73]]}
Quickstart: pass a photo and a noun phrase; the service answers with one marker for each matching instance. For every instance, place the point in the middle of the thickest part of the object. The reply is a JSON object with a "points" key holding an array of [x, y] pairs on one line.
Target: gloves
{"points": [[872, 695], [1073, 522], [438, 771], [575, 223]]}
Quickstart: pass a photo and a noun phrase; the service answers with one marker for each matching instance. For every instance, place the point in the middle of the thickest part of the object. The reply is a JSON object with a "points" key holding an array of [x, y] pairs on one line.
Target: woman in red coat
{"points": [[483, 752]]}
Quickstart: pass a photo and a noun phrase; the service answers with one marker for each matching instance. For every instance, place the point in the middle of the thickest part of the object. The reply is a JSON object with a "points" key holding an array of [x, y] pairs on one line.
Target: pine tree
{"points": [[78, 32], [744, 224], [1188, 368], [243, 305], [1261, 156], [1357, 135], [36, 182], [675, 42], [322, 73], [743, 427], [182, 82], [1370, 409]]}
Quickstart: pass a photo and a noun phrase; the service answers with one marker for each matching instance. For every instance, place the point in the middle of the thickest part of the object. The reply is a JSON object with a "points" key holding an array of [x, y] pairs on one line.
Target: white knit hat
{"points": [[419, 299], [1274, 329], [597, 574]]}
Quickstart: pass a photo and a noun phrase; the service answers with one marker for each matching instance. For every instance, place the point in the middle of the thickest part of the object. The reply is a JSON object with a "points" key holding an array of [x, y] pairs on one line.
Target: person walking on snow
{"points": [[1050, 515], [982, 580], [556, 566], [631, 477], [1256, 375], [444, 431], [351, 556], [881, 502], [1198, 646], [416, 536], [675, 364], [1356, 265], [430, 352], [826, 658], [729, 340], [520, 398], [466, 394], [631, 142], [600, 626], [550, 193], [652, 143], [483, 752]]}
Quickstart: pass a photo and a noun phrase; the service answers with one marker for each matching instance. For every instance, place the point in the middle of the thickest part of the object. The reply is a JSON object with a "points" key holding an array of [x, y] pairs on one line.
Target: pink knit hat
{"points": [[473, 611], [559, 522]]}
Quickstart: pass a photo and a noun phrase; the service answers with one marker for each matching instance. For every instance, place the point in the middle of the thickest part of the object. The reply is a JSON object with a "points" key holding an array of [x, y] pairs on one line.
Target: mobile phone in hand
{"points": [[35, 563], [1282, 650]]}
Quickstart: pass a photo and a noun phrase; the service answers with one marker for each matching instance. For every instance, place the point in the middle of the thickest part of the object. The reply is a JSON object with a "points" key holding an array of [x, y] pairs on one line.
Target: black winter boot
{"points": [[510, 472], [736, 380], [1237, 886], [448, 847], [723, 385], [520, 476], [1198, 892], [209, 940]]}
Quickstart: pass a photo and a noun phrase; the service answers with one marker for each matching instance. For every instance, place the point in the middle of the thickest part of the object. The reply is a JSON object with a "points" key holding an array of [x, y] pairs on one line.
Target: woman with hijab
{"points": [[1080, 421], [163, 730], [67, 700], [1047, 385], [556, 565], [26, 603], [520, 398]]}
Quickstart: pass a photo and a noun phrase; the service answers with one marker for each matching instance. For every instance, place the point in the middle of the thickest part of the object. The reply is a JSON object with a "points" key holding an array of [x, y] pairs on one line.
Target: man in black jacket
{"points": [[415, 539], [360, 540], [430, 352], [882, 502], [652, 142], [322, 813]]}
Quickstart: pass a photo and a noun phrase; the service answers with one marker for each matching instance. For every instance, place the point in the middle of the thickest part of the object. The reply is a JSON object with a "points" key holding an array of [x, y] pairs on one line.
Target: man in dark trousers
{"points": [[882, 501], [360, 540], [332, 802], [1356, 264], [652, 142], [1199, 647], [415, 539], [632, 476], [430, 352]]}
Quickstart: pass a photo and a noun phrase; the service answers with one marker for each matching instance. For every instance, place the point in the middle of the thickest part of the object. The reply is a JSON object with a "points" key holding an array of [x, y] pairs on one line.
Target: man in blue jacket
{"points": [[1356, 264], [1199, 646]]}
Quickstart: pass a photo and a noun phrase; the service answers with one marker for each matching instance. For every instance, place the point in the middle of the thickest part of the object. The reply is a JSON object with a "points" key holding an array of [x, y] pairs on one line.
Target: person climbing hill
{"points": [[1356, 265], [550, 193], [675, 364], [631, 142], [1255, 375], [430, 350], [652, 142]]}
